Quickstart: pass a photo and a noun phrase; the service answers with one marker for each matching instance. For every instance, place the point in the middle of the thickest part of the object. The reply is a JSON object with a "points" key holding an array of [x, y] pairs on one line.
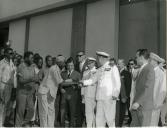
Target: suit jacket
{"points": [[83, 68], [126, 83], [53, 80], [122, 90], [75, 76], [145, 87]]}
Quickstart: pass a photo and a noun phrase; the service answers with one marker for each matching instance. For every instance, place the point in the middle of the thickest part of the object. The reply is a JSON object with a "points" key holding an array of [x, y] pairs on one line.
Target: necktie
{"points": [[69, 74]]}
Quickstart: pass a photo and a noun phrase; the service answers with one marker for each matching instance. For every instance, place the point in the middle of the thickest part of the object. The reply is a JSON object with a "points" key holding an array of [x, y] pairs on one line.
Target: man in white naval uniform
{"points": [[159, 88], [108, 89], [89, 93]]}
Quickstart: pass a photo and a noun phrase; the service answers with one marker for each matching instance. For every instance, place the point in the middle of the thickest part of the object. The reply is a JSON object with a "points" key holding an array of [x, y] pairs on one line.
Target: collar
{"points": [[70, 72], [93, 69], [143, 66], [106, 64], [5, 61], [122, 70], [156, 67], [83, 61]]}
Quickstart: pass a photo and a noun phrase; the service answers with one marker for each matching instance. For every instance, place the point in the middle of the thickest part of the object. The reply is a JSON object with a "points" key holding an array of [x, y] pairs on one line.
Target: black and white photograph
{"points": [[83, 63]]}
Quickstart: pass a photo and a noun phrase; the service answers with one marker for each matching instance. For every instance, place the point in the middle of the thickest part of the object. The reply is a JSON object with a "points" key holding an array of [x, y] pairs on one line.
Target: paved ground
{"points": [[10, 124]]}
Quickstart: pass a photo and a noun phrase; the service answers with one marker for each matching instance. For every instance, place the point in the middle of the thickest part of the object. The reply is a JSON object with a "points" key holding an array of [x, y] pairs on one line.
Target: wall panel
{"points": [[17, 35], [102, 27], [51, 33]]}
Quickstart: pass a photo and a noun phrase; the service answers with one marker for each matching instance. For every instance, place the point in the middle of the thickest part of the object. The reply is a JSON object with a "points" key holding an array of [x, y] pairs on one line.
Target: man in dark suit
{"points": [[82, 66], [124, 98], [143, 106], [69, 93]]}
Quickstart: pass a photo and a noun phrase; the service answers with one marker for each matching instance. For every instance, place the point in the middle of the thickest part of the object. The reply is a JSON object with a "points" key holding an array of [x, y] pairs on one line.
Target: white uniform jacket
{"points": [[108, 82], [89, 91]]}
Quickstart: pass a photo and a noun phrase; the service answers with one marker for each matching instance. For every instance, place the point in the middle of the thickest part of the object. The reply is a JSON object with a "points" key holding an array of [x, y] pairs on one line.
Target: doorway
{"points": [[4, 33]]}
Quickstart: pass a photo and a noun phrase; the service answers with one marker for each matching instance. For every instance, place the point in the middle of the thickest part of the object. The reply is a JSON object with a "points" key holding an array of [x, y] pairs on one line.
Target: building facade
{"points": [[54, 27]]}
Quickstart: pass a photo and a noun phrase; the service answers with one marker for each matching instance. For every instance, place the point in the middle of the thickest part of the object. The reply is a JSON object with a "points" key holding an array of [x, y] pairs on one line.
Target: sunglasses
{"points": [[79, 55], [131, 64], [10, 53]]}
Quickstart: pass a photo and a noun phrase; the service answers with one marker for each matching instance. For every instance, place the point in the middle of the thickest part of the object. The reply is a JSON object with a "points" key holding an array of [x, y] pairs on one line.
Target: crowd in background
{"points": [[55, 91]]}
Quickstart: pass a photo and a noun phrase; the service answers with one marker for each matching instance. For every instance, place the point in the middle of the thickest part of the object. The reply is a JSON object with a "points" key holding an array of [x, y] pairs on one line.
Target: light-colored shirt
{"points": [[159, 87], [82, 64], [51, 81], [6, 73], [141, 68], [26, 75], [89, 91], [135, 73], [43, 89], [109, 83]]}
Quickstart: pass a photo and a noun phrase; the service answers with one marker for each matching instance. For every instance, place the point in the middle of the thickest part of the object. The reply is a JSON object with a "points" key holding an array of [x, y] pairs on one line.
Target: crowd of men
{"points": [[82, 91]]}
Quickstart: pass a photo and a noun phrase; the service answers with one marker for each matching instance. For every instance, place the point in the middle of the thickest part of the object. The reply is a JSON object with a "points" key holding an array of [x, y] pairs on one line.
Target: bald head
{"points": [[121, 64], [61, 61]]}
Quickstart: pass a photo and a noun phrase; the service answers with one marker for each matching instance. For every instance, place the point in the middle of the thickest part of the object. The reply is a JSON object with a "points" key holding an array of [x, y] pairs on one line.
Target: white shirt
{"points": [[82, 64], [51, 81], [43, 88], [89, 91], [159, 87], [6, 73], [141, 68], [108, 82]]}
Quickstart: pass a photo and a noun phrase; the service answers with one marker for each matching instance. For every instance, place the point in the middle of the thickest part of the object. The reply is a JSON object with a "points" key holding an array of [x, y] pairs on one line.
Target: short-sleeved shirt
{"points": [[27, 73], [6, 70]]}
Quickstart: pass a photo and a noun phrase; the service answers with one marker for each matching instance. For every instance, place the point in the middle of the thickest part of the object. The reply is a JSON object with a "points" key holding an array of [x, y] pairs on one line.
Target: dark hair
{"points": [[7, 50], [144, 53], [135, 62], [46, 58], [37, 59], [19, 57], [59, 55], [113, 59], [27, 54], [36, 55], [70, 60]]}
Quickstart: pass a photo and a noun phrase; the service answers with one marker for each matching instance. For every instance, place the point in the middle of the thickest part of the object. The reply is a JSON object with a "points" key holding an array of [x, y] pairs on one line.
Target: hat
{"points": [[91, 59], [80, 53], [156, 57], [104, 54]]}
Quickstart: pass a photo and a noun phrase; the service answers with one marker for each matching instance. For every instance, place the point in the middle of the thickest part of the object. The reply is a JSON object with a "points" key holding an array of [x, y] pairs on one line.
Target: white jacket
{"points": [[89, 91], [108, 82]]}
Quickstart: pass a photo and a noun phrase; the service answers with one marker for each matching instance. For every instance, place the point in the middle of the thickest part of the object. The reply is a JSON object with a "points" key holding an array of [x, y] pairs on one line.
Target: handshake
{"points": [[81, 83]]}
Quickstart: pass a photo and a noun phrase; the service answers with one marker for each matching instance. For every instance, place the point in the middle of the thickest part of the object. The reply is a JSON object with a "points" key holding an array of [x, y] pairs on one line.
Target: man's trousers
{"points": [[155, 117], [5, 96], [24, 103], [90, 105], [105, 113], [68, 107], [46, 110], [141, 118]]}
